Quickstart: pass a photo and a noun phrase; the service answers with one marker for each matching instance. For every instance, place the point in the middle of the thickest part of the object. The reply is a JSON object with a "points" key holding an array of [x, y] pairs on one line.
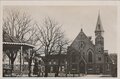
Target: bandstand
{"points": [[13, 52]]}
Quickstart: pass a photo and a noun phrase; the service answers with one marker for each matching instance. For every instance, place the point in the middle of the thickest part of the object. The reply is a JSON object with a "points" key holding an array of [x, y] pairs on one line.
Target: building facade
{"points": [[83, 56]]}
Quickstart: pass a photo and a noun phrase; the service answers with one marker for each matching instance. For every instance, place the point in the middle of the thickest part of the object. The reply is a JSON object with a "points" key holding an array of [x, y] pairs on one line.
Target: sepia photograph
{"points": [[59, 41]]}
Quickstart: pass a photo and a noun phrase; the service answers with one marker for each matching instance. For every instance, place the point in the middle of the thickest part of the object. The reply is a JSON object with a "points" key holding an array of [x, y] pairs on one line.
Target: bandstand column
{"points": [[21, 51]]}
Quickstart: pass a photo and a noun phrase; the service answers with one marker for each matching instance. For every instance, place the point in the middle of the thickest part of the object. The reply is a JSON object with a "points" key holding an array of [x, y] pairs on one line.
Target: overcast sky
{"points": [[73, 18]]}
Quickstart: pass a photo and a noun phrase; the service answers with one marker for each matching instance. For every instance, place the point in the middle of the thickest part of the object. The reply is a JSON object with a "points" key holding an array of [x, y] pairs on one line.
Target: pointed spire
{"points": [[99, 24]]}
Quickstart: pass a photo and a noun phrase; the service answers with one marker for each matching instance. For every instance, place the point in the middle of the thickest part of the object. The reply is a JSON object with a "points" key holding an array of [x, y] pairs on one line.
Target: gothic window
{"points": [[82, 44], [73, 58], [90, 56]]}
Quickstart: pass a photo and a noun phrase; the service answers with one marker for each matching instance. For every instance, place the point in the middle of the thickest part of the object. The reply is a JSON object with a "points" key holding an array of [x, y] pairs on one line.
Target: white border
{"points": [[62, 3]]}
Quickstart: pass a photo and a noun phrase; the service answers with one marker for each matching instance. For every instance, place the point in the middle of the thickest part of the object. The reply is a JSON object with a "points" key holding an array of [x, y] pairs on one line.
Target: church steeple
{"points": [[99, 40], [99, 28]]}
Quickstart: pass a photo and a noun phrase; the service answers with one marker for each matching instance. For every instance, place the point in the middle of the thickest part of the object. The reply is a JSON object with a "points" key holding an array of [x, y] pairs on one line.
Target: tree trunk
{"points": [[59, 61], [46, 65], [12, 63], [35, 70], [46, 69], [12, 66], [57, 71]]}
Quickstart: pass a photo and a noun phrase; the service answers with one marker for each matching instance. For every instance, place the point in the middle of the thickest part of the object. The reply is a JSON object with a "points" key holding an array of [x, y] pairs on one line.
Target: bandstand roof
{"points": [[13, 41]]}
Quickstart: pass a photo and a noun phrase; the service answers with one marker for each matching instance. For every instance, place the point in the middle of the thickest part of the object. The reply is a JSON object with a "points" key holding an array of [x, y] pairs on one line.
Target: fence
{"points": [[16, 70]]}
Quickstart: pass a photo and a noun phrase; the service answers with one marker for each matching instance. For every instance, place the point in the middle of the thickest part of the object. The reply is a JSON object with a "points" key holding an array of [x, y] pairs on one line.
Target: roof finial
{"points": [[81, 30]]}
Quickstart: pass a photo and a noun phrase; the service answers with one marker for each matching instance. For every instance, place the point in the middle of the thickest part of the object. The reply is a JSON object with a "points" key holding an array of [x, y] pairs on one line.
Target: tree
{"points": [[35, 70], [29, 56], [61, 47], [50, 34], [21, 26], [17, 24], [12, 53], [113, 56]]}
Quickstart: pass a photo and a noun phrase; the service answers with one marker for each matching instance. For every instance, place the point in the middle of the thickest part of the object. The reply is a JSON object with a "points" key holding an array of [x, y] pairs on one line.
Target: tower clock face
{"points": [[81, 44]]}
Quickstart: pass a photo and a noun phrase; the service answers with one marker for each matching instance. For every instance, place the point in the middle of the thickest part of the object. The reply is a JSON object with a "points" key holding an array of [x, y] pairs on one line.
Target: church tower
{"points": [[99, 39]]}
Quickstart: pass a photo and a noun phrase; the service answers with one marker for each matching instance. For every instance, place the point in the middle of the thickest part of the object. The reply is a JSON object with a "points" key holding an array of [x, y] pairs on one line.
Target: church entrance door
{"points": [[101, 69], [82, 67]]}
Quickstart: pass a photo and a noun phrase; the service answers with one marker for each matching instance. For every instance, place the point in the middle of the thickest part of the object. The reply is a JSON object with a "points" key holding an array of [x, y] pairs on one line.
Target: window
{"points": [[108, 66], [74, 66], [81, 45], [63, 68], [49, 62], [51, 69], [99, 58], [99, 50], [73, 58], [90, 57], [54, 62]]}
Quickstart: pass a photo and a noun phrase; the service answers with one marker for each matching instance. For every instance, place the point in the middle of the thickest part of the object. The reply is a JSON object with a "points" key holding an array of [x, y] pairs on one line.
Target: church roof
{"points": [[99, 26], [81, 37]]}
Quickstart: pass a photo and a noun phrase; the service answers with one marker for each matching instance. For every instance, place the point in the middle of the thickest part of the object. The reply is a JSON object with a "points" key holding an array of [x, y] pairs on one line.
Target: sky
{"points": [[73, 18]]}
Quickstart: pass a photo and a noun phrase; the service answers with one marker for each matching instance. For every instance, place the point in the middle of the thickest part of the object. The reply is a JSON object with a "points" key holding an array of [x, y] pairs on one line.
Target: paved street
{"points": [[70, 75], [97, 76], [78, 75]]}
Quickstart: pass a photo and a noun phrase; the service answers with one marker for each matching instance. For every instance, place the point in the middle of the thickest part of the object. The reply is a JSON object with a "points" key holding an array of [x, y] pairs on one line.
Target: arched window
{"points": [[90, 56]]}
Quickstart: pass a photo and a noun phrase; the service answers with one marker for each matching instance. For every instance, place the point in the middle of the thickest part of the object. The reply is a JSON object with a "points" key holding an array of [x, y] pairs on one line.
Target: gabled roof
{"points": [[80, 37]]}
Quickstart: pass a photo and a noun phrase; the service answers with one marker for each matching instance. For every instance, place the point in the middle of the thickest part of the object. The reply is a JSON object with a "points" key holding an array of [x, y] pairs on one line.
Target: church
{"points": [[83, 56]]}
